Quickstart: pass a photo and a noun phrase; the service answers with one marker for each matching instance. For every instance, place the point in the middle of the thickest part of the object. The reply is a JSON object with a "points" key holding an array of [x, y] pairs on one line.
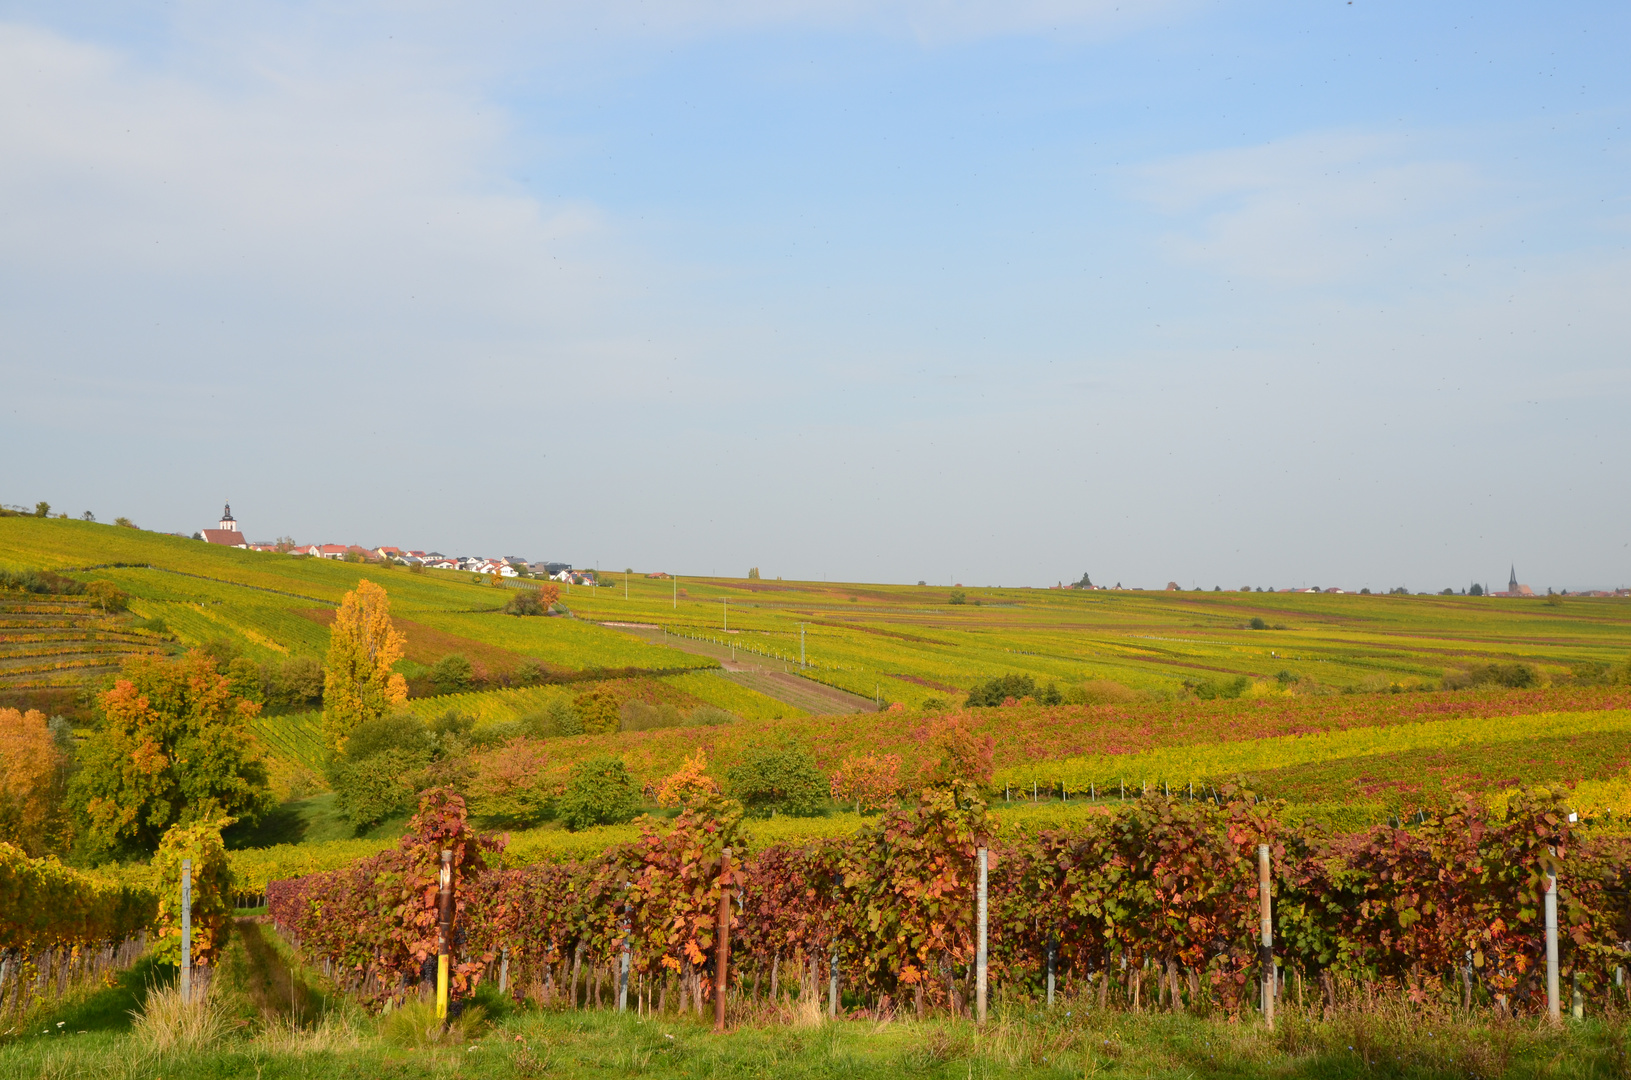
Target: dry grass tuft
{"points": [[167, 1024]]}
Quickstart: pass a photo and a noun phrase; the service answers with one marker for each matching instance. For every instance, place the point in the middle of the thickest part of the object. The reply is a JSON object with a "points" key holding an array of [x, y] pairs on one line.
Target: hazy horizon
{"points": [[993, 294]]}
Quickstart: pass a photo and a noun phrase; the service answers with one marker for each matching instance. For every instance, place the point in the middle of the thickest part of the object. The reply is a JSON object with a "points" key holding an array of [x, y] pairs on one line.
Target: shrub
{"points": [[1213, 689], [688, 784], [381, 768], [642, 716], [296, 681], [379, 786], [869, 781], [964, 756], [452, 675], [558, 718], [108, 596], [994, 692], [531, 672], [958, 596], [1258, 623], [526, 602], [211, 891], [709, 716], [599, 791], [1100, 692], [40, 581], [778, 780], [599, 709], [398, 731], [1515, 676], [509, 787]]}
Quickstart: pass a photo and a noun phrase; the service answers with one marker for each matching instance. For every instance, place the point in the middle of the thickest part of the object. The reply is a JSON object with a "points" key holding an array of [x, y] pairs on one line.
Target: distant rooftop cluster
{"points": [[1513, 589], [227, 533]]}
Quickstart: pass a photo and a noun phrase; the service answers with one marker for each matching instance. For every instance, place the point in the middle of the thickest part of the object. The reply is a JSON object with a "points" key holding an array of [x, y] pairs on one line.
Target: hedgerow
{"points": [[1155, 900]]}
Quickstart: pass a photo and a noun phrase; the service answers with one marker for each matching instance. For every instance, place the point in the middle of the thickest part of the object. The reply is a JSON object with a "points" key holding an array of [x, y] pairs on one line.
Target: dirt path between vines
{"points": [[768, 677], [273, 985]]}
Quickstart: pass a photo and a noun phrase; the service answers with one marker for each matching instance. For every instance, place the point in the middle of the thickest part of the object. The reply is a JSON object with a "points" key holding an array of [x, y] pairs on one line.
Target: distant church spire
{"points": [[1512, 586], [227, 521]]}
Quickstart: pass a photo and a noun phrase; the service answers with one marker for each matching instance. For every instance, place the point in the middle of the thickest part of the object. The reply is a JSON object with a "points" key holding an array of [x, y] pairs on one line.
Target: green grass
{"points": [[1070, 1042], [313, 820]]}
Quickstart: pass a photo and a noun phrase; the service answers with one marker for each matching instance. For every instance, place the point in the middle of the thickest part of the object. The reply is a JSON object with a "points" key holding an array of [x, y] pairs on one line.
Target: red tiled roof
{"points": [[225, 536]]}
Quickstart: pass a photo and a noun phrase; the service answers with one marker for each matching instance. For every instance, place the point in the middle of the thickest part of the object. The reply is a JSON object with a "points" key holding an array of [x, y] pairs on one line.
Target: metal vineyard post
{"points": [[187, 930], [722, 933], [1266, 908], [1553, 1011], [980, 954]]}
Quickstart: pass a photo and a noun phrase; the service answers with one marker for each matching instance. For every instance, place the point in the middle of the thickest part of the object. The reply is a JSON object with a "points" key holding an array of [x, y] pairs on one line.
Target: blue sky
{"points": [[1276, 294]]}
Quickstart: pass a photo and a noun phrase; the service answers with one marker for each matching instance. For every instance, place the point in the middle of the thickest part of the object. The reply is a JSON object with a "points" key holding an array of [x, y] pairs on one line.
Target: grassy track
{"points": [[280, 1018]]}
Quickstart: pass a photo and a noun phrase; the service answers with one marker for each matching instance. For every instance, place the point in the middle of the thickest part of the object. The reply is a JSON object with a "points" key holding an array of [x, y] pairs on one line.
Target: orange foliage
{"points": [[871, 782], [688, 784], [32, 772]]}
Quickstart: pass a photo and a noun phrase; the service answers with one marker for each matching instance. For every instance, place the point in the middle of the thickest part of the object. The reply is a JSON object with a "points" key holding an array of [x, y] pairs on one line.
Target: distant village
{"points": [[1514, 590], [228, 534]]}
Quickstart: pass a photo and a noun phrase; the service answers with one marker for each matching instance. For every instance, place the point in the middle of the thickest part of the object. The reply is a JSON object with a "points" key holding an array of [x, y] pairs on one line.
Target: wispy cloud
{"points": [[1322, 208]]}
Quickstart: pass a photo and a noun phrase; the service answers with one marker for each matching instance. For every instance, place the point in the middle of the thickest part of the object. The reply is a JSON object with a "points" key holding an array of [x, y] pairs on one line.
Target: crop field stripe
{"points": [[1206, 761]]}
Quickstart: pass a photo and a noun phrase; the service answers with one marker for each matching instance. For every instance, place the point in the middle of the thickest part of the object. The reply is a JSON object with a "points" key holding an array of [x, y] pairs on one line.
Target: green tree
{"points": [[778, 780], [382, 768], [172, 748], [42, 509], [599, 791], [958, 596], [358, 683]]}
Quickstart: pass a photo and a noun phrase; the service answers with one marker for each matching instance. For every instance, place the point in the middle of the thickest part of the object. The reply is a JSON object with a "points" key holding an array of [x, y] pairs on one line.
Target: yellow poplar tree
{"points": [[358, 683]]}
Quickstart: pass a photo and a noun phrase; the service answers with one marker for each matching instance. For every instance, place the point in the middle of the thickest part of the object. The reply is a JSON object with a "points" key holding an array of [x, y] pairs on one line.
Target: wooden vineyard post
{"points": [[187, 931], [980, 948], [444, 931], [504, 970], [722, 941], [1266, 952], [1553, 1006], [1053, 950]]}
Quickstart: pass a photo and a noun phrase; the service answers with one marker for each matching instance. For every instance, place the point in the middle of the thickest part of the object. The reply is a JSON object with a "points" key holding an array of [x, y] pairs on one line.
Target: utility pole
{"points": [[727, 603], [625, 584], [801, 644], [676, 592]]}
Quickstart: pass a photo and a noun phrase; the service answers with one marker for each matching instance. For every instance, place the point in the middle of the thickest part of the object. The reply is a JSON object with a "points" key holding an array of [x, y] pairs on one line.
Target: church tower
{"points": [[1511, 586], [227, 521]]}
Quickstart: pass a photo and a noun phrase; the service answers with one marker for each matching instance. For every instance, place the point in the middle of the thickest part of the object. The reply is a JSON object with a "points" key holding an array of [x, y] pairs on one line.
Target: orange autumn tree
{"points": [[172, 747], [688, 785], [358, 683], [33, 775], [871, 781]]}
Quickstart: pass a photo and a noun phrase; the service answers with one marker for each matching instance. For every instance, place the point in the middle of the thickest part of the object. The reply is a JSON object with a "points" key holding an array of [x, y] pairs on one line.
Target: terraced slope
{"points": [[61, 642]]}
